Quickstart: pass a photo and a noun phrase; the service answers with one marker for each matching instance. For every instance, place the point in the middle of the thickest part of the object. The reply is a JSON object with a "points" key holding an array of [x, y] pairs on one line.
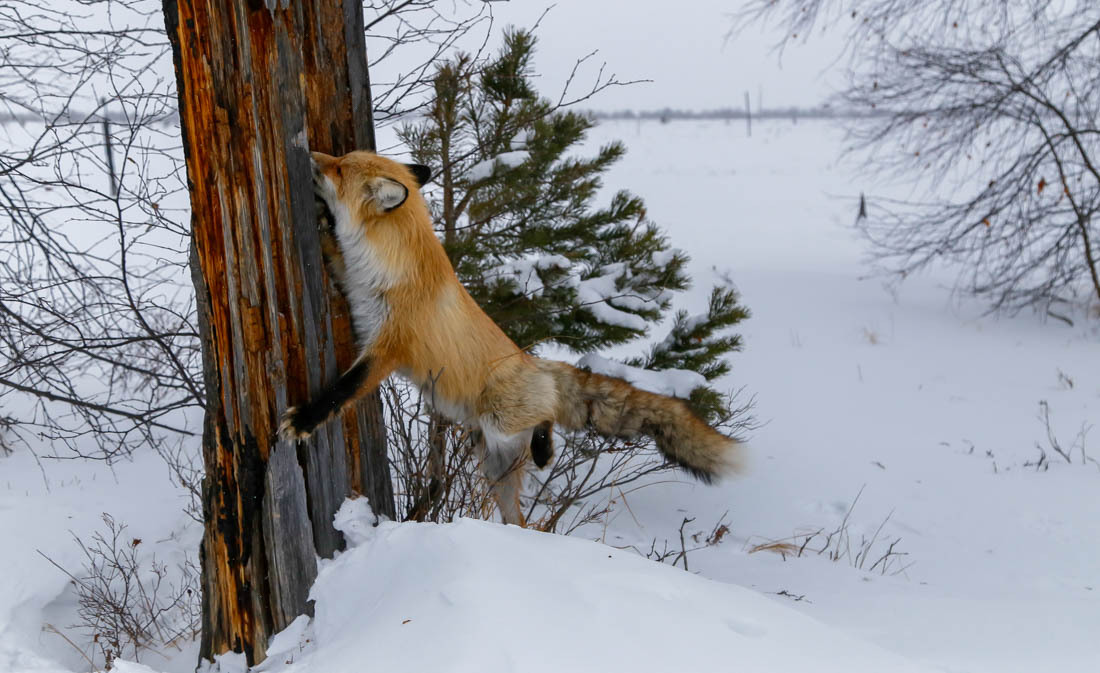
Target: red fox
{"points": [[412, 316]]}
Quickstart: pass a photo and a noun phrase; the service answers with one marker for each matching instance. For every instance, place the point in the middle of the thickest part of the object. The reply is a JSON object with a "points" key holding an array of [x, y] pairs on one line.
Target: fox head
{"points": [[367, 185]]}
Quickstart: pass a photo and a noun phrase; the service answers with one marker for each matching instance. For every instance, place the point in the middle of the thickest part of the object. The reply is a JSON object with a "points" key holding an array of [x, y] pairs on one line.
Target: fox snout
{"points": [[323, 166]]}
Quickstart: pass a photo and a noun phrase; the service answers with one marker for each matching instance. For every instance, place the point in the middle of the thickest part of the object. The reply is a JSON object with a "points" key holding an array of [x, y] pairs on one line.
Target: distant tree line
{"points": [[825, 111]]}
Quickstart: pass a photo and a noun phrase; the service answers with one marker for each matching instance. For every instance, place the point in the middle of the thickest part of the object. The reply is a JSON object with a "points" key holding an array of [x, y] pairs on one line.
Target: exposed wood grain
{"points": [[259, 85], [292, 566], [338, 129]]}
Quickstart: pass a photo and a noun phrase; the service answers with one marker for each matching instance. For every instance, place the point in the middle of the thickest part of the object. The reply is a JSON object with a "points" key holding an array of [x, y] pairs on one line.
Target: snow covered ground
{"points": [[916, 399], [477, 596], [913, 401]]}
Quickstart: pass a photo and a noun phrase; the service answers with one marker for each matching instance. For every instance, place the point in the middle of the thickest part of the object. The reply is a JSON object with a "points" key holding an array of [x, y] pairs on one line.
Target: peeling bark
{"points": [[259, 87]]}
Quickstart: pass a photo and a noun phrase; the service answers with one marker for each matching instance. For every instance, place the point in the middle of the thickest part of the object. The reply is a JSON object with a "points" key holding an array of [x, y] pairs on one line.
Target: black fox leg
{"points": [[542, 443], [299, 422]]}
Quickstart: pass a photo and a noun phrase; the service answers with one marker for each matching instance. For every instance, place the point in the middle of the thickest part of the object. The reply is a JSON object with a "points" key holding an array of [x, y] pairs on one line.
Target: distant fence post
{"points": [[748, 114]]}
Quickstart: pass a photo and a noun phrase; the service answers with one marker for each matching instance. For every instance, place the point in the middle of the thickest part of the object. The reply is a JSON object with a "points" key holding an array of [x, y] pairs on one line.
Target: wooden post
{"points": [[748, 115], [260, 84]]}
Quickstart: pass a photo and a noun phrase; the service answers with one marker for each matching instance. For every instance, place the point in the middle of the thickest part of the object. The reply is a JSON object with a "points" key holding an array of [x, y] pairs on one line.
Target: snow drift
{"points": [[478, 596]]}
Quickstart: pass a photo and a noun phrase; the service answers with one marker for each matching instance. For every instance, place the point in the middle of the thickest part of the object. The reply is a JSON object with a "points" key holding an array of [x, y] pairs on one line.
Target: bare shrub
{"points": [[95, 300], [128, 600], [406, 40], [435, 467], [715, 537], [588, 470], [6, 423], [97, 307], [839, 546], [990, 107], [185, 469], [1076, 449]]}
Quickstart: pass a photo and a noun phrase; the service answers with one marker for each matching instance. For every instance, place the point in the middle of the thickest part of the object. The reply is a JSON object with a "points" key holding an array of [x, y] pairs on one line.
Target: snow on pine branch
{"points": [[484, 169], [672, 382], [524, 272], [686, 327], [522, 139], [663, 258], [594, 295], [599, 294]]}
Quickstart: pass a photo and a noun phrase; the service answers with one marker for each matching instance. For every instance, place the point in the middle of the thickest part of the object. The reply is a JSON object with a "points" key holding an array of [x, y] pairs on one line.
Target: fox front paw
{"points": [[293, 426]]}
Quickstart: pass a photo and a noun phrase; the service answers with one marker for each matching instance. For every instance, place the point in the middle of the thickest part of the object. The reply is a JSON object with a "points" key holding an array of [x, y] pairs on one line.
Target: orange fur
{"points": [[416, 318]]}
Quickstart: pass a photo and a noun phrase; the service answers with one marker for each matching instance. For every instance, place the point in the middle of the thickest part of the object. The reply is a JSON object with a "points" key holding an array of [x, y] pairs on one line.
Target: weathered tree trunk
{"points": [[259, 85]]}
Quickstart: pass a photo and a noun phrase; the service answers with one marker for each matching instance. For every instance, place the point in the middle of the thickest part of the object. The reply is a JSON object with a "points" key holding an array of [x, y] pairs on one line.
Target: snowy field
{"points": [[914, 398], [912, 401]]}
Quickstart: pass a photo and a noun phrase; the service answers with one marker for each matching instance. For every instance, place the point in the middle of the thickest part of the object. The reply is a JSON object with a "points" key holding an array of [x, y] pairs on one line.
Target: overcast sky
{"points": [[682, 47]]}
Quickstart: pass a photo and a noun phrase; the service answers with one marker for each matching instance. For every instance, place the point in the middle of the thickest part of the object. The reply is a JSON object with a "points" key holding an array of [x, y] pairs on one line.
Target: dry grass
{"points": [[679, 553], [873, 554], [784, 549]]}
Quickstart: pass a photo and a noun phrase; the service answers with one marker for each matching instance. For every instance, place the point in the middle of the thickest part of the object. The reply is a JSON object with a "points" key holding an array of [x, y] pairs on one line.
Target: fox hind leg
{"points": [[502, 463], [506, 490], [542, 443]]}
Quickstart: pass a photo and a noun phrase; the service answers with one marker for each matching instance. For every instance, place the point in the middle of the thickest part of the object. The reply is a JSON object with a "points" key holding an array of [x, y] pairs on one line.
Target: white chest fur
{"points": [[366, 279]]}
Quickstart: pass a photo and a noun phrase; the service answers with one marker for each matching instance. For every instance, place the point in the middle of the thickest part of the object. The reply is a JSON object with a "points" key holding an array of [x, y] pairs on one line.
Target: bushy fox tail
{"points": [[615, 408]]}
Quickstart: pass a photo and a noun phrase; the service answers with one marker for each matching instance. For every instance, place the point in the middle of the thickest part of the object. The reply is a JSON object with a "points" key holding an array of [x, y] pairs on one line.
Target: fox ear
{"points": [[387, 193], [421, 172]]}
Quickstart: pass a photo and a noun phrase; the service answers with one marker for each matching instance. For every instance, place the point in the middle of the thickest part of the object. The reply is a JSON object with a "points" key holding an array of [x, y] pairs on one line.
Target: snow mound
{"points": [[478, 596]]}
